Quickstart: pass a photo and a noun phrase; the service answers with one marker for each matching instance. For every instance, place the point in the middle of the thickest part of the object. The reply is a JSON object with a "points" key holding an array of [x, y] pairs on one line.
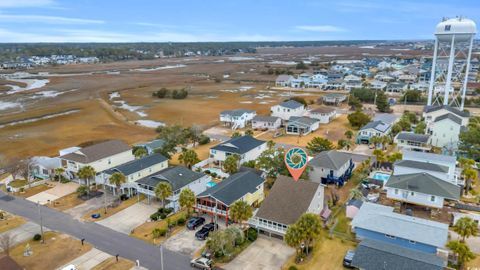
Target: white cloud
{"points": [[321, 28], [45, 19], [25, 3]]}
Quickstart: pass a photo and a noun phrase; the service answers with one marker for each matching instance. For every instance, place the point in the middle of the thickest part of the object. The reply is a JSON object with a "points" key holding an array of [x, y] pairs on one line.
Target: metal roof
{"points": [[424, 183], [422, 165], [263, 118], [291, 104], [456, 111], [137, 165], [450, 116], [178, 177], [238, 112], [331, 159], [408, 136], [239, 145], [302, 121]]}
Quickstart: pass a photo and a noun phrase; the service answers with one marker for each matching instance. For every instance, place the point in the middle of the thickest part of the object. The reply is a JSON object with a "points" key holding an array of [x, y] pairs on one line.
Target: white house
{"points": [[452, 173], [324, 114], [352, 82], [378, 85], [333, 98], [374, 128], [283, 81], [237, 118], [330, 167], [44, 167], [412, 141], [444, 124], [101, 156], [179, 178], [134, 170], [287, 109], [301, 125], [266, 122], [285, 203], [422, 189], [247, 147]]}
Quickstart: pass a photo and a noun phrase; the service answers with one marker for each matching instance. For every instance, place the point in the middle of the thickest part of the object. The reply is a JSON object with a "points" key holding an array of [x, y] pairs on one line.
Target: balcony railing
{"points": [[211, 209]]}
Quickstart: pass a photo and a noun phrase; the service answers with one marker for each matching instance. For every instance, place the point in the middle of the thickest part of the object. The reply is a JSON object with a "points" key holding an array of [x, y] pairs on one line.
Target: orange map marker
{"points": [[296, 160]]}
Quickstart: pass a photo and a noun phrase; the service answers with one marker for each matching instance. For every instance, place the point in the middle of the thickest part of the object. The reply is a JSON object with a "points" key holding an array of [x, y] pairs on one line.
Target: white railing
{"points": [[202, 163], [211, 209]]}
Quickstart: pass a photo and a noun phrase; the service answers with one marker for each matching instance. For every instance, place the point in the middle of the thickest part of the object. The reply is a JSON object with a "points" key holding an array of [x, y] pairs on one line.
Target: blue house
{"points": [[378, 222]]}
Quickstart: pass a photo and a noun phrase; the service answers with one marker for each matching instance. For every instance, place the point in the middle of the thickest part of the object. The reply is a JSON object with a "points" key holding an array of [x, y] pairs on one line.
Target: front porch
{"points": [[213, 208]]}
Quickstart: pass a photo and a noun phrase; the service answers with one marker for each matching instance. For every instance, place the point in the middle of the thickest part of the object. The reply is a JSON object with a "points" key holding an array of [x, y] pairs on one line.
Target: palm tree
{"points": [[58, 172], [466, 227], [188, 157], [241, 211], [379, 155], [375, 140], [86, 173], [470, 175], [140, 152], [294, 237], [187, 199], [162, 191], [311, 225], [462, 251], [230, 165], [349, 134], [117, 179]]}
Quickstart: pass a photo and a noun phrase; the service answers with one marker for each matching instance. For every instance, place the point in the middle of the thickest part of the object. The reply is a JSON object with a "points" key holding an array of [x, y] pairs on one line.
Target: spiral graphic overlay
{"points": [[296, 158]]}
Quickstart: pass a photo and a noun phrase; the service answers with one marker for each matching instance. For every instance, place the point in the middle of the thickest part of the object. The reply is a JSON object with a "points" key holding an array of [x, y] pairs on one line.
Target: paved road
{"points": [[102, 238]]}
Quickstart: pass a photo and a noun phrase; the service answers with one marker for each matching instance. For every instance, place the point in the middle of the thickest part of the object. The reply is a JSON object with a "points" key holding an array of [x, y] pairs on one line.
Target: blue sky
{"points": [[226, 20]]}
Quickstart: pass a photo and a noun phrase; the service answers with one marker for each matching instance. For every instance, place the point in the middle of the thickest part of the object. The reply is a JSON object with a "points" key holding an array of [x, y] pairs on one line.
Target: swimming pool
{"points": [[211, 184], [381, 176]]}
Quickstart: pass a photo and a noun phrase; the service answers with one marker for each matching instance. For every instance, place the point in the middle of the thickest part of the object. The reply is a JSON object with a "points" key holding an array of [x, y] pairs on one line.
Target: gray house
{"points": [[331, 167], [302, 125]]}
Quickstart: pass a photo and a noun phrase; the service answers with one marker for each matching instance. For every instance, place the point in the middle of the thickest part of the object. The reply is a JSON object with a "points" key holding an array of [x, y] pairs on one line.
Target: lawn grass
{"points": [[112, 264], [18, 183], [144, 231], [66, 202], [58, 250], [111, 211], [10, 222], [32, 191], [473, 264]]}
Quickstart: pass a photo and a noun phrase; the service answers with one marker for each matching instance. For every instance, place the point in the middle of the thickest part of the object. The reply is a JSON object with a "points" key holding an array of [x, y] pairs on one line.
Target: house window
{"points": [[432, 198], [412, 193], [109, 161], [390, 236], [412, 242], [396, 191]]}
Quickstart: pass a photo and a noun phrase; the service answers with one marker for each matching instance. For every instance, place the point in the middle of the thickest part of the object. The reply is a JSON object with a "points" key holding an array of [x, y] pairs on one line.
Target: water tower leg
{"points": [[450, 68], [465, 81], [432, 74]]}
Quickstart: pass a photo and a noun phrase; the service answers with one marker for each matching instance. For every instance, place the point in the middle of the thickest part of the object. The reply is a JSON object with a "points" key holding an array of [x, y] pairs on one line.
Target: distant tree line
{"points": [[174, 94]]}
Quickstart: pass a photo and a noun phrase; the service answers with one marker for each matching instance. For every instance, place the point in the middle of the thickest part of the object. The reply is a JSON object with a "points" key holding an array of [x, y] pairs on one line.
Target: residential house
{"points": [[44, 167], [285, 203], [406, 166], [412, 141], [453, 173], [101, 156], [287, 109], [378, 85], [444, 124], [266, 122], [333, 98], [396, 87], [283, 81], [324, 114], [422, 189], [352, 208], [133, 171], [247, 147], [152, 146], [244, 186], [301, 125], [371, 255], [381, 223], [317, 81], [334, 84], [179, 178], [373, 128], [352, 82], [237, 118], [330, 167]]}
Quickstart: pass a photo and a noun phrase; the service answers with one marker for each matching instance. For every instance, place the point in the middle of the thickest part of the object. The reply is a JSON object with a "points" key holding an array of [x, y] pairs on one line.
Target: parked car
{"points": [[194, 222], [202, 234], [347, 260], [202, 263]]}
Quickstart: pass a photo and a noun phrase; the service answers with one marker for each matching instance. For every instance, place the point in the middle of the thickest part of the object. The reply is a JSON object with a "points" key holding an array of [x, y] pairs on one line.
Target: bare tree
{"points": [[6, 242], [24, 169]]}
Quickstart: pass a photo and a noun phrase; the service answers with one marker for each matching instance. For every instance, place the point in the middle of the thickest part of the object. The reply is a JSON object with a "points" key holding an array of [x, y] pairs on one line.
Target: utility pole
{"points": [[41, 221], [161, 256]]}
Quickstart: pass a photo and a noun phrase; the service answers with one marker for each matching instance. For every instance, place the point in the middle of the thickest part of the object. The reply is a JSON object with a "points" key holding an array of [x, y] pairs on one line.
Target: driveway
{"points": [[265, 253], [59, 190], [89, 260], [184, 242], [130, 218], [363, 149], [23, 232], [79, 211]]}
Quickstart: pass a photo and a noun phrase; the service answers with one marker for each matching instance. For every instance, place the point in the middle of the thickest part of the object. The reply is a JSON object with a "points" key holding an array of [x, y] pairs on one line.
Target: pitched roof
{"points": [[283, 77], [422, 165], [354, 202], [450, 116], [377, 125], [238, 112], [386, 118], [239, 145], [155, 144], [302, 121], [408, 136], [234, 187], [97, 151], [137, 164], [371, 254], [456, 111], [6, 262], [331, 159], [424, 183], [178, 177], [382, 219], [291, 104], [262, 118], [288, 200], [424, 156], [323, 109]]}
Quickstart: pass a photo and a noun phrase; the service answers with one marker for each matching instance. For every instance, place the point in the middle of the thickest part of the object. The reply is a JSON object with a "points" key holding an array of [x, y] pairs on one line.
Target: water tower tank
{"points": [[461, 28]]}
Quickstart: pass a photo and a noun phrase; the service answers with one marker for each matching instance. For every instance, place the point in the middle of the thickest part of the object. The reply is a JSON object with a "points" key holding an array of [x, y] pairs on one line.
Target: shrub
{"points": [[213, 175], [162, 216], [37, 237], [292, 267], [82, 190], [181, 221], [207, 171], [203, 139], [252, 234], [155, 216], [158, 232]]}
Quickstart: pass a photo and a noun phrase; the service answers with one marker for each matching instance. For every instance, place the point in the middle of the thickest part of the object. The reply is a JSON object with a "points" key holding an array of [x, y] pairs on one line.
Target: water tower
{"points": [[451, 62]]}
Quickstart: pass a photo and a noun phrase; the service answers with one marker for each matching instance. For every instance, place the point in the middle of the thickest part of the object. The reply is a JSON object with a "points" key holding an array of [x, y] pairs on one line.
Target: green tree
{"points": [[187, 199], [355, 103], [241, 211], [294, 237], [139, 152], [461, 251], [375, 141], [230, 165], [379, 155], [117, 179], [317, 145], [356, 194], [420, 128], [236, 134], [163, 190], [470, 139], [412, 96], [310, 225], [270, 161], [349, 134], [250, 164], [58, 172], [382, 102], [248, 132], [466, 227], [394, 157], [87, 173], [301, 65], [470, 175], [188, 157], [358, 119]]}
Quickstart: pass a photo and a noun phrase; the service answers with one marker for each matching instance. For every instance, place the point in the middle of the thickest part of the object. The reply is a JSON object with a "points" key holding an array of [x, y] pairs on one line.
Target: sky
{"points": [[225, 20]]}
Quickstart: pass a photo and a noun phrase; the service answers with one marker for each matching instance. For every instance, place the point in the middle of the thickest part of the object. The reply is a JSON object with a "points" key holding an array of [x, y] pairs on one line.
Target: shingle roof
{"points": [[456, 111], [262, 118], [424, 183], [377, 125], [239, 145], [137, 164], [382, 219], [178, 177], [354, 202], [291, 104], [323, 109], [238, 112], [97, 151], [331, 159], [424, 156], [450, 116], [302, 120], [155, 144], [234, 187], [288, 200], [373, 255], [408, 136], [422, 165], [386, 118], [282, 78]]}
